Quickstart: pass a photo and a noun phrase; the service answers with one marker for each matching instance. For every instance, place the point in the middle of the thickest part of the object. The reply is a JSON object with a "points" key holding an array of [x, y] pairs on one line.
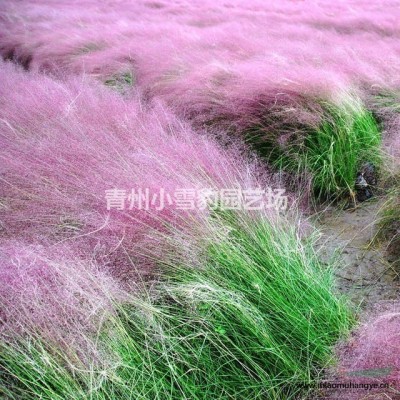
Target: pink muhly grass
{"points": [[51, 294], [71, 141], [372, 355], [196, 53]]}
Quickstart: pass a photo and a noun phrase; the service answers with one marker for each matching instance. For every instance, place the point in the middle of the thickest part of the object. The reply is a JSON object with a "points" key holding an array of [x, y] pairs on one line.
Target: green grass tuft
{"points": [[257, 320], [331, 152]]}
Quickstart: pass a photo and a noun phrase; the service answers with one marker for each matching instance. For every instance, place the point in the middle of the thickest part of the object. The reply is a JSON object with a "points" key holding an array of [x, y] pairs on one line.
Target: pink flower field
{"points": [[199, 200]]}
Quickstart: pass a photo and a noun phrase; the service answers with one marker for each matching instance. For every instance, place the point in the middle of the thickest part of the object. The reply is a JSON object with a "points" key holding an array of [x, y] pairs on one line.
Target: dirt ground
{"points": [[363, 270]]}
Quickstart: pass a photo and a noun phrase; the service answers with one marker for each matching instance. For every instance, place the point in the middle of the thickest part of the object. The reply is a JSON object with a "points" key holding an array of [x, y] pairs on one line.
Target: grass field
{"points": [[162, 168]]}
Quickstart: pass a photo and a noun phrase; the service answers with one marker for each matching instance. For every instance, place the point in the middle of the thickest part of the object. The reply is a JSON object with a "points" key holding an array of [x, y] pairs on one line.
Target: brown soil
{"points": [[363, 270]]}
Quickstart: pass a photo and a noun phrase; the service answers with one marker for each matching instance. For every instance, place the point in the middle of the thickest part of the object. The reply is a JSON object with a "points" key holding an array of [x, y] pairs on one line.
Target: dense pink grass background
{"points": [[64, 138], [172, 45], [220, 62]]}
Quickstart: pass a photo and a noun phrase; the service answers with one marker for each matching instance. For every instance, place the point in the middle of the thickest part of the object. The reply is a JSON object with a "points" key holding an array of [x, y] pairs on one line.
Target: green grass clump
{"points": [[256, 320], [331, 152], [266, 309], [335, 152]]}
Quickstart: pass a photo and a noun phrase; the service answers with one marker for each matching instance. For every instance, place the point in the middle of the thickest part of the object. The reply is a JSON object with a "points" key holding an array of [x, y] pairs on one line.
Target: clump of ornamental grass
{"points": [[257, 318], [53, 293], [267, 305], [331, 150], [386, 103]]}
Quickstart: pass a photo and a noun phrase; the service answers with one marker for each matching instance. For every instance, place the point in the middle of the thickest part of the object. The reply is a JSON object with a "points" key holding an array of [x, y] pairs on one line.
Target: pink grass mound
{"points": [[54, 295], [205, 55], [371, 357], [63, 144]]}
